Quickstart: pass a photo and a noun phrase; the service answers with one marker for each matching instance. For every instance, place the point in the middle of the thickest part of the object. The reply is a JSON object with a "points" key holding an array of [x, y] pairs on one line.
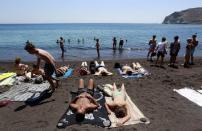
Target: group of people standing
{"points": [[160, 50], [114, 43]]}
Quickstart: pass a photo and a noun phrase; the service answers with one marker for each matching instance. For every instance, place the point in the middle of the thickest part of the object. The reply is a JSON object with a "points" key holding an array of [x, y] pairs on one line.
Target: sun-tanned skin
{"points": [[118, 101], [84, 102], [49, 60], [61, 71], [127, 68], [37, 72], [102, 70], [21, 69]]}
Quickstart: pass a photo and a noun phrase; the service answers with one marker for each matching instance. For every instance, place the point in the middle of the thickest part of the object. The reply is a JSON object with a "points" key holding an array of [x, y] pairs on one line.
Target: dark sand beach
{"points": [[154, 96]]}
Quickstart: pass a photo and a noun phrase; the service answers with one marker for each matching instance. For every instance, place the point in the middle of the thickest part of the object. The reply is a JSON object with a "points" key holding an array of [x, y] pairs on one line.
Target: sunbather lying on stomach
{"points": [[101, 70], [84, 102], [118, 105], [61, 71], [128, 70], [36, 71]]}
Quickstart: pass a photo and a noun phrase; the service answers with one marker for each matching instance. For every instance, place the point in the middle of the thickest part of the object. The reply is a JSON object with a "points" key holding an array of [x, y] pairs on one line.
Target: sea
{"points": [[80, 39]]}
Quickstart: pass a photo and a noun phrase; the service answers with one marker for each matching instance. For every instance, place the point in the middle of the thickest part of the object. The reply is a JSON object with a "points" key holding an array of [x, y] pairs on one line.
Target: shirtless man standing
{"points": [[84, 102], [49, 67]]}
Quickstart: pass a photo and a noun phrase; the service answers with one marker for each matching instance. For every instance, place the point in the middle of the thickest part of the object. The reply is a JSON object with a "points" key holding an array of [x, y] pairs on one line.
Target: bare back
{"points": [[44, 55]]}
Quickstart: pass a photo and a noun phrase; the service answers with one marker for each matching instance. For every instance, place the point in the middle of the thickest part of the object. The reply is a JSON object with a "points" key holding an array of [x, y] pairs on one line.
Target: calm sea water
{"points": [[14, 36]]}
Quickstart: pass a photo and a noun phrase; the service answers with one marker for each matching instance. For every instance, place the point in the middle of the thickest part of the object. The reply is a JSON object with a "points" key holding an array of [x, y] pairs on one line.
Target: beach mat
{"points": [[8, 81], [67, 74], [135, 75], [6, 75], [25, 92], [136, 115], [99, 117], [194, 96]]}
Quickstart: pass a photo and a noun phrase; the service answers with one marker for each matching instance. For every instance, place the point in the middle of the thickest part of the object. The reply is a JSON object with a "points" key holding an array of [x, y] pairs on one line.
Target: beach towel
{"points": [[25, 92], [8, 81], [194, 96], [135, 75], [142, 69], [99, 117], [136, 115], [6, 75], [67, 74]]}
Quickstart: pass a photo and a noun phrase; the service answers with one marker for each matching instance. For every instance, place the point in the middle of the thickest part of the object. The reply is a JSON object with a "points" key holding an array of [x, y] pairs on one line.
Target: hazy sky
{"points": [[90, 11]]}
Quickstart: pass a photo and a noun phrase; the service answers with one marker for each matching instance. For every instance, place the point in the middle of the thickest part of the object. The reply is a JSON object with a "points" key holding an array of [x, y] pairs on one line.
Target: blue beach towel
{"points": [[68, 73], [136, 75], [133, 76]]}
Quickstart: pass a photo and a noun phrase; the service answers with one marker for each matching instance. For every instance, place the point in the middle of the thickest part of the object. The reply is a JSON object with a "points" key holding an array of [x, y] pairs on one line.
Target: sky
{"points": [[91, 11]]}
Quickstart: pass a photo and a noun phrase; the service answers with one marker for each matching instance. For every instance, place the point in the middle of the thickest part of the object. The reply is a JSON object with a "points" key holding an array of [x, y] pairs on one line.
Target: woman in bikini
{"points": [[101, 70], [118, 105]]}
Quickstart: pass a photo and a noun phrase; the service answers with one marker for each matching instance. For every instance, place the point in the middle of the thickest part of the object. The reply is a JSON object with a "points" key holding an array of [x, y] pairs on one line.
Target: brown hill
{"points": [[189, 16]]}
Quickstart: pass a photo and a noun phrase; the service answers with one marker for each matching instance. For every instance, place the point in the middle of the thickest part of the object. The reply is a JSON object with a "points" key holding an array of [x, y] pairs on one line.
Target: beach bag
{"points": [[92, 67]]}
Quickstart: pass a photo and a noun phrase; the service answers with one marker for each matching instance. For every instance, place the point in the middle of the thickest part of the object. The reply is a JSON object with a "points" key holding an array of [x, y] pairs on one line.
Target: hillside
{"points": [[189, 16]]}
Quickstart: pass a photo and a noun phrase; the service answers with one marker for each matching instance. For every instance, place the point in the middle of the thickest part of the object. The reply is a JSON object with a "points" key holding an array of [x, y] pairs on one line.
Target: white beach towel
{"points": [[136, 114], [194, 96]]}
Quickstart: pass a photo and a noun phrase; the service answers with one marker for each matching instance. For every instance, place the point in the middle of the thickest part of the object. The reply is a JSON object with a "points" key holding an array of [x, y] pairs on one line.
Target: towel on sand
{"points": [[6, 75], [98, 117], [135, 75], [67, 74], [136, 115], [8, 81], [25, 91], [194, 96]]}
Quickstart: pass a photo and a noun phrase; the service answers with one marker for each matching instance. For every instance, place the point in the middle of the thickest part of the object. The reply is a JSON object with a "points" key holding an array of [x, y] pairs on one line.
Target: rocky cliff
{"points": [[189, 16]]}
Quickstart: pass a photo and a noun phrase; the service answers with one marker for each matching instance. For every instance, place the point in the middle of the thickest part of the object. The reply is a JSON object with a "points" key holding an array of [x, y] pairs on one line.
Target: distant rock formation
{"points": [[189, 16]]}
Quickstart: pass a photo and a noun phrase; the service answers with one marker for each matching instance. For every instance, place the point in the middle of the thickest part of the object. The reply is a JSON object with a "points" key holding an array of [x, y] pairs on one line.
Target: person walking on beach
{"points": [[188, 52], [98, 47], [152, 44], [194, 43], [174, 49], [161, 51], [49, 60], [61, 42], [121, 44], [114, 43]]}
